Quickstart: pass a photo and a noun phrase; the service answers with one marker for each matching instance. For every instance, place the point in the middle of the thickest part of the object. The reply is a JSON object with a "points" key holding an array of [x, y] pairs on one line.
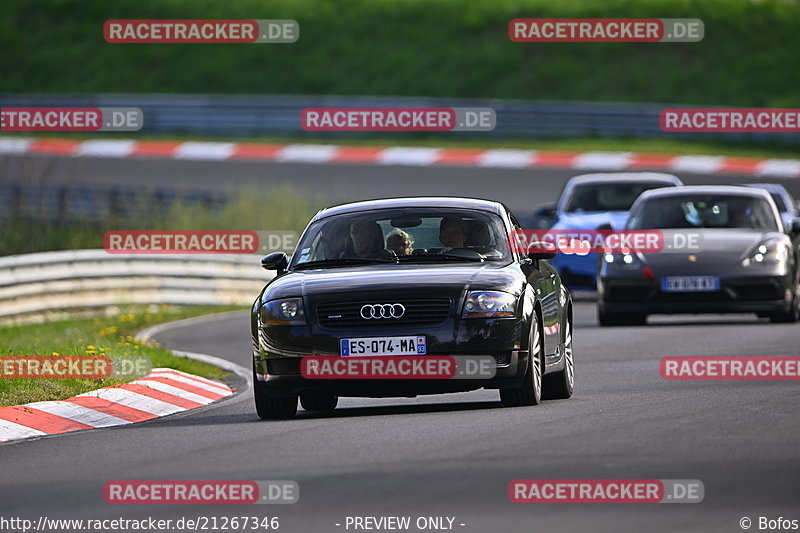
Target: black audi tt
{"points": [[411, 277]]}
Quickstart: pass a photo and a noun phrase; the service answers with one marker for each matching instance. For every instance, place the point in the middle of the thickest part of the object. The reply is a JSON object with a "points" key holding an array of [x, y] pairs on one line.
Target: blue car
{"points": [[787, 207], [598, 201]]}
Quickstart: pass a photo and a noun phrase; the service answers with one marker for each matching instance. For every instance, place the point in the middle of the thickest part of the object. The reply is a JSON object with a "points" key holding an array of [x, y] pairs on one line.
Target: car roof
{"points": [[771, 187], [414, 201], [612, 177], [689, 190]]}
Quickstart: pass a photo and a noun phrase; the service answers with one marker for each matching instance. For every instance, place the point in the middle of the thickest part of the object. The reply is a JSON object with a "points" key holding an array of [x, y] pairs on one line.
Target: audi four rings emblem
{"points": [[370, 311]]}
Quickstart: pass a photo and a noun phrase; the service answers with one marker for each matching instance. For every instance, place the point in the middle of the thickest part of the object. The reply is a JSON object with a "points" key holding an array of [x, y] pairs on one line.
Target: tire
{"points": [[529, 391], [319, 401], [273, 407], [560, 385], [607, 319], [787, 317]]}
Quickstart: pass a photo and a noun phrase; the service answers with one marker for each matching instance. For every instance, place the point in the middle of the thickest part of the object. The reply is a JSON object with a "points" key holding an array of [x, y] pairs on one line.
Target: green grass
{"points": [[446, 48], [110, 336]]}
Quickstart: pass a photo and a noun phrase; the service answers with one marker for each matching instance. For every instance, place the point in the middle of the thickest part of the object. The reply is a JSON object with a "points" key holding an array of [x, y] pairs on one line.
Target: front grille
{"points": [[503, 359], [418, 312], [284, 367]]}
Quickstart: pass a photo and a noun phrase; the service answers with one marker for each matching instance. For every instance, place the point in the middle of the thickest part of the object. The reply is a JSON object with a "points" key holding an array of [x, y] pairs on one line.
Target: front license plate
{"points": [[383, 346], [690, 284]]}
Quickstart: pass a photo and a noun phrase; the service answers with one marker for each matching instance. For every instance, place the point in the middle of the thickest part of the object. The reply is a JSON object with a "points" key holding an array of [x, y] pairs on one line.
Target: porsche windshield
{"points": [[404, 235], [706, 211]]}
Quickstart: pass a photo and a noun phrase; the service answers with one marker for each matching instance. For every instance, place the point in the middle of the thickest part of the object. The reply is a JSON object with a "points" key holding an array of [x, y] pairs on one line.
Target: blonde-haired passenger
{"points": [[400, 242]]}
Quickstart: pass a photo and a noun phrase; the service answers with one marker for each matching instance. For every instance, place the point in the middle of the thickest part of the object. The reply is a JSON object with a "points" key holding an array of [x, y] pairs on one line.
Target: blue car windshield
{"points": [[592, 197]]}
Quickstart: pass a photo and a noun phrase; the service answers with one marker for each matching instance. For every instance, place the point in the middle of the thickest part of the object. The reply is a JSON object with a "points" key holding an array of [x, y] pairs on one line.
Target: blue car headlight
{"points": [[285, 312], [490, 304]]}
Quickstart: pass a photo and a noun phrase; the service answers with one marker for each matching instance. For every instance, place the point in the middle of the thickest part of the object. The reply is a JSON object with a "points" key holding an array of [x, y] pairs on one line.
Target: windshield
{"points": [[706, 211], [607, 196], [403, 235], [778, 199]]}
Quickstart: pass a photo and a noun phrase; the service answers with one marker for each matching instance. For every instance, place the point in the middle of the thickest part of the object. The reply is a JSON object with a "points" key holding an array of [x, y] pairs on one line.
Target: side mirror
{"points": [[605, 227], [541, 250], [275, 261]]}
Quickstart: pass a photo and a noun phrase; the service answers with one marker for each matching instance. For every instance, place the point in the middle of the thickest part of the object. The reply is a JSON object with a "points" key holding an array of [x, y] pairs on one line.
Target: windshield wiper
{"points": [[343, 261]]}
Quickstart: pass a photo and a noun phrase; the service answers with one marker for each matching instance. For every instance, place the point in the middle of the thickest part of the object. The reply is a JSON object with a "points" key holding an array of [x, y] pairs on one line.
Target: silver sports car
{"points": [[740, 260]]}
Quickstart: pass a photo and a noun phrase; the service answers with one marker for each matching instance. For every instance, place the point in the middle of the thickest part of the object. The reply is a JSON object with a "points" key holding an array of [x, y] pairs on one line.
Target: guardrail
{"points": [[49, 285], [243, 116]]}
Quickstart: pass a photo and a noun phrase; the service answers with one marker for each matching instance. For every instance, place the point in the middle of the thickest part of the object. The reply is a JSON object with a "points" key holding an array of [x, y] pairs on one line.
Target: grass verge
{"points": [[110, 336]]}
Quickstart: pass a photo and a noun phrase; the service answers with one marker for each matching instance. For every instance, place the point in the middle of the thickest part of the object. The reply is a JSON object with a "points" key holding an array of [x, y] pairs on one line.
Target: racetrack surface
{"points": [[520, 189], [455, 455]]}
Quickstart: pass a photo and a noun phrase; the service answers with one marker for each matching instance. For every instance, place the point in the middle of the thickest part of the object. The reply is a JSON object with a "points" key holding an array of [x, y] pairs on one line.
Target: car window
{"points": [[704, 211], [607, 196], [403, 234]]}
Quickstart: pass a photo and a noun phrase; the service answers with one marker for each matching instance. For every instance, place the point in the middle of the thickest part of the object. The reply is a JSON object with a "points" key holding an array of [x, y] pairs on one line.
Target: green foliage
{"points": [[448, 48]]}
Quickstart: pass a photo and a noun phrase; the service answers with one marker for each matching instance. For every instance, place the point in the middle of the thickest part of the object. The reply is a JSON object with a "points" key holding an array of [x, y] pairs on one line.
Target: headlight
{"points": [[288, 312], [490, 304], [771, 252], [623, 259]]}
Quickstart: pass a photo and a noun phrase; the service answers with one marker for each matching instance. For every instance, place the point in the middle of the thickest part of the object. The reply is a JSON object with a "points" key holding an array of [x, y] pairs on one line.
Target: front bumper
{"points": [[761, 295], [283, 378]]}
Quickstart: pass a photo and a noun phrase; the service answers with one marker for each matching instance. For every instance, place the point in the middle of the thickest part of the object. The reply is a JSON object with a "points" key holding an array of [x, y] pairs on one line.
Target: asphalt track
{"points": [[520, 189], [441, 455], [455, 455]]}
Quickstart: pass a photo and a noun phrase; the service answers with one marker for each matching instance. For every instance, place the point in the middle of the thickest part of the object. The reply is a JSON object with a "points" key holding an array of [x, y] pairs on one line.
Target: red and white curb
{"points": [[413, 156], [162, 392]]}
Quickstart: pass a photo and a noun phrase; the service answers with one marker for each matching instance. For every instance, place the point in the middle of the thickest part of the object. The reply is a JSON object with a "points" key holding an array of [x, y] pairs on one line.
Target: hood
{"points": [[419, 280], [720, 252], [591, 220]]}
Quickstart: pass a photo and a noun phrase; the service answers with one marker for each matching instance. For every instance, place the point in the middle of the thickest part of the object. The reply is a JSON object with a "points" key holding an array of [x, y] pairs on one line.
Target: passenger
{"points": [[478, 234], [400, 242], [367, 240], [452, 233]]}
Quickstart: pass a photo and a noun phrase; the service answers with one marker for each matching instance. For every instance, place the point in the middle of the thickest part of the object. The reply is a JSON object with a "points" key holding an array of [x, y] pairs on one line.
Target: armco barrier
{"points": [[241, 116], [42, 286]]}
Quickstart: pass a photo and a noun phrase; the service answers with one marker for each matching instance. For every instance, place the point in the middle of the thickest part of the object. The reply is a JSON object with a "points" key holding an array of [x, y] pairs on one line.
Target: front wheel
{"points": [[273, 407], [530, 390], [560, 385]]}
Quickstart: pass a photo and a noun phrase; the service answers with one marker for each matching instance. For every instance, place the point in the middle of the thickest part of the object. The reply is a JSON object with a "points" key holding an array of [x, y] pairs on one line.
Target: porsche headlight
{"points": [[490, 304], [623, 259], [771, 252], [286, 312]]}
